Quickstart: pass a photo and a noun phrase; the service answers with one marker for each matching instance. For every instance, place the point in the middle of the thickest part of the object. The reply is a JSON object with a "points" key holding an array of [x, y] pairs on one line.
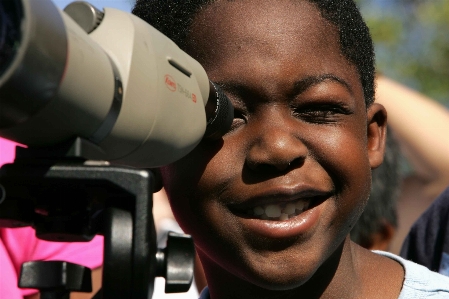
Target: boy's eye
{"points": [[321, 113], [239, 119]]}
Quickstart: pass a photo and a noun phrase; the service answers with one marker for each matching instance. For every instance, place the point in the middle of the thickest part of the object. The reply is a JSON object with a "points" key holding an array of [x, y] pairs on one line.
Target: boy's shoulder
{"points": [[205, 294], [420, 282]]}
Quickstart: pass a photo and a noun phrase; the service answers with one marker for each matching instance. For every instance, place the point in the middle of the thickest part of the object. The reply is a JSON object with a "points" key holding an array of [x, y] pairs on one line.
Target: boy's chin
{"points": [[279, 281], [288, 270], [273, 275]]}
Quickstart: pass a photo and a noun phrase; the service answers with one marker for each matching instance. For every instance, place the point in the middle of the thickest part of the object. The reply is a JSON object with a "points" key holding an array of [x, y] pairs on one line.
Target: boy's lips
{"points": [[281, 214]]}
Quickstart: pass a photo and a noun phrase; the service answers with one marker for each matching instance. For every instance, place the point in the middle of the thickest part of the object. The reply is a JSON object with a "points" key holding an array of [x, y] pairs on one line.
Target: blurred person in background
{"points": [[377, 225], [420, 126], [418, 133]]}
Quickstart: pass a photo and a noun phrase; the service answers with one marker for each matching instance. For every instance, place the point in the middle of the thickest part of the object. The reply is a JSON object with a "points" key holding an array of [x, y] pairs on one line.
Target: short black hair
{"points": [[174, 18], [381, 208]]}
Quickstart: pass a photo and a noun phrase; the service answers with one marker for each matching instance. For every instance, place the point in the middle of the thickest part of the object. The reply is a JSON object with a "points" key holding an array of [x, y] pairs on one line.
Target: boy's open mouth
{"points": [[281, 211]]}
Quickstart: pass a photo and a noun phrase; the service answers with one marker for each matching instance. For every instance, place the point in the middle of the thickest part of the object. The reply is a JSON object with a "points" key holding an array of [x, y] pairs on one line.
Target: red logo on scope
{"points": [[193, 97], [170, 82]]}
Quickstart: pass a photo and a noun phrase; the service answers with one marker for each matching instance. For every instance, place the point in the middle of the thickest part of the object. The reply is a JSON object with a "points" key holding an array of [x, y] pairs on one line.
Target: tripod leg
{"points": [[118, 239]]}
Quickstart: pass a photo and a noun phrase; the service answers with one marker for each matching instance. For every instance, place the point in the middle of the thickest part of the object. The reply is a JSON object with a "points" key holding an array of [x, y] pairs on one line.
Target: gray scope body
{"points": [[118, 83]]}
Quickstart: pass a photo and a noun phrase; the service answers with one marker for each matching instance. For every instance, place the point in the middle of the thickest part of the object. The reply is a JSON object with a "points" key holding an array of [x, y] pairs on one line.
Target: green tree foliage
{"points": [[412, 42]]}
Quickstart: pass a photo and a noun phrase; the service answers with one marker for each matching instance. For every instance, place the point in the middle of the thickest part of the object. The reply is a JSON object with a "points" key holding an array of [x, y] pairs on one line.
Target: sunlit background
{"points": [[412, 42], [124, 5]]}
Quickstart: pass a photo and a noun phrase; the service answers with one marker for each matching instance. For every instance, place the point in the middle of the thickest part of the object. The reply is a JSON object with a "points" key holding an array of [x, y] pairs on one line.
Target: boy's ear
{"points": [[377, 133]]}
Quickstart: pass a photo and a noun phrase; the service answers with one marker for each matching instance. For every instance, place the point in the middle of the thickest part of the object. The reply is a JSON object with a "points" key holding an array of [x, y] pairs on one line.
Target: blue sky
{"points": [[124, 5]]}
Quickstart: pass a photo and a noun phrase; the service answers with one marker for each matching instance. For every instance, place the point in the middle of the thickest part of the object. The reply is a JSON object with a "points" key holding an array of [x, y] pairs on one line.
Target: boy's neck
{"points": [[351, 272]]}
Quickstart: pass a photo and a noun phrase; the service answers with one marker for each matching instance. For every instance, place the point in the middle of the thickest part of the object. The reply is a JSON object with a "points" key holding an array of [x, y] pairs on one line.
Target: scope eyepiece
{"points": [[219, 113]]}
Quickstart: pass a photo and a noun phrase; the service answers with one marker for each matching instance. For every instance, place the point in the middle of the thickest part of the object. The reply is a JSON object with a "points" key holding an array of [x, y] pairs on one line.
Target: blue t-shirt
{"points": [[419, 282]]}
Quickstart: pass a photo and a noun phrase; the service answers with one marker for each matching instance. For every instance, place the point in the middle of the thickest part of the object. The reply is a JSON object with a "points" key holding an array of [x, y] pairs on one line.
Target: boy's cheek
{"points": [[186, 173], [342, 153], [184, 181]]}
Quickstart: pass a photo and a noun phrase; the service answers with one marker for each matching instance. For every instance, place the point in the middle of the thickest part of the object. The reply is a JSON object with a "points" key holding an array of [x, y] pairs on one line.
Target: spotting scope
{"points": [[132, 95]]}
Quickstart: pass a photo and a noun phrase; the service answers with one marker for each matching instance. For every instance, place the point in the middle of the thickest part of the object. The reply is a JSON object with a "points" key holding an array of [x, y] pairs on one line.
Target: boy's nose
{"points": [[277, 146]]}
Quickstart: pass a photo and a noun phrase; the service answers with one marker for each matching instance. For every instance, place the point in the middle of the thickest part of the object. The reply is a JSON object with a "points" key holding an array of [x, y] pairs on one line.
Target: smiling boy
{"points": [[270, 205]]}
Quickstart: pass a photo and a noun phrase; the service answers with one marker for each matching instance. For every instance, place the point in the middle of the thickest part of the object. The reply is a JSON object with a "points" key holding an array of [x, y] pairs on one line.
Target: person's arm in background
{"points": [[96, 284], [19, 245], [421, 126]]}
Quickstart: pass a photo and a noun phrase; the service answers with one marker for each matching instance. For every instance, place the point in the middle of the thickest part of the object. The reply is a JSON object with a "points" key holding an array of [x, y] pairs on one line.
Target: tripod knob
{"points": [[176, 262], [55, 279]]}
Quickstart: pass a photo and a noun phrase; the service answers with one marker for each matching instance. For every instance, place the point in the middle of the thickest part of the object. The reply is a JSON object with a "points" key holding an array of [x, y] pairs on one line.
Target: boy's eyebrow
{"points": [[241, 91], [299, 86], [303, 84]]}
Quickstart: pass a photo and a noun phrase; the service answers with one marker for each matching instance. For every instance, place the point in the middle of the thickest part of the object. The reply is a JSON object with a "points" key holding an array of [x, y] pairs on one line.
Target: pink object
{"points": [[7, 151], [18, 245]]}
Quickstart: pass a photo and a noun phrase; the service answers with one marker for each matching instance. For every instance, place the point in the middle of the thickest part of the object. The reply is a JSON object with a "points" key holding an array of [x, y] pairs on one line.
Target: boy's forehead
{"points": [[272, 27], [260, 14]]}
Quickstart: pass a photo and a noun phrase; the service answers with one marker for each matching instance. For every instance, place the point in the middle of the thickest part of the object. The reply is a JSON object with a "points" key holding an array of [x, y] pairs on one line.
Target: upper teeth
{"points": [[281, 211]]}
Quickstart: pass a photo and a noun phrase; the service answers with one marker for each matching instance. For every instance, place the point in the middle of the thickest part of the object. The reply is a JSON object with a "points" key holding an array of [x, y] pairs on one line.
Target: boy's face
{"points": [[301, 138]]}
